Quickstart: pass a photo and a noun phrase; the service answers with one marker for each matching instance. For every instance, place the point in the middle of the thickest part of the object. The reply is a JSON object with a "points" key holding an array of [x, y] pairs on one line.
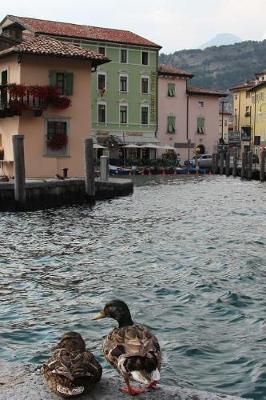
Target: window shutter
{"points": [[170, 124], [171, 89], [200, 124], [69, 83], [52, 78]]}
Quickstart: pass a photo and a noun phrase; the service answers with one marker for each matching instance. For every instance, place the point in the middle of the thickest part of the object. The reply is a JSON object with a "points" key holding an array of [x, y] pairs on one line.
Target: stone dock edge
{"points": [[25, 382], [49, 193]]}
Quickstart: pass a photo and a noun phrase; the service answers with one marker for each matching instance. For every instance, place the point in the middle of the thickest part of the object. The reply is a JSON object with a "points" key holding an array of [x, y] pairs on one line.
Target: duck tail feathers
{"points": [[74, 391]]}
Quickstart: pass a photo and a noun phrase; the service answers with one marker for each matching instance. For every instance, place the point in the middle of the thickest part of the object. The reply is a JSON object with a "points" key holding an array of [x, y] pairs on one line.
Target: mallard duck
{"points": [[71, 369], [131, 349]]}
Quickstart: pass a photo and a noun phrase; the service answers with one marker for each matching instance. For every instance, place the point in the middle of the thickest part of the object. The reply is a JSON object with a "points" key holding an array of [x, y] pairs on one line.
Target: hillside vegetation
{"points": [[220, 67]]}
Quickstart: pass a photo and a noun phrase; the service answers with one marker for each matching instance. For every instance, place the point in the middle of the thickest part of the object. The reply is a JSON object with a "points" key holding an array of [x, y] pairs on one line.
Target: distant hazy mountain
{"points": [[222, 39], [220, 67]]}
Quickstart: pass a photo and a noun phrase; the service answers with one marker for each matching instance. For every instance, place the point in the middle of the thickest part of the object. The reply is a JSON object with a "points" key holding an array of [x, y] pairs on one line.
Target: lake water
{"points": [[187, 254]]}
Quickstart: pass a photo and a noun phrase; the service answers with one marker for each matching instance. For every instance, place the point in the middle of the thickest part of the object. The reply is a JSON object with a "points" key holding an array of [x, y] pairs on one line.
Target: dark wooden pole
{"points": [[19, 170], [235, 163], [262, 165], [221, 162], [89, 171], [249, 165], [227, 163]]}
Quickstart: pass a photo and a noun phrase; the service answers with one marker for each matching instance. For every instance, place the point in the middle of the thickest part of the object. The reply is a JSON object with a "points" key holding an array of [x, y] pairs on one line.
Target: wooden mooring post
{"points": [[244, 165], [104, 168], [19, 171], [249, 165], [89, 171], [235, 162], [262, 165], [227, 163], [221, 162], [214, 163]]}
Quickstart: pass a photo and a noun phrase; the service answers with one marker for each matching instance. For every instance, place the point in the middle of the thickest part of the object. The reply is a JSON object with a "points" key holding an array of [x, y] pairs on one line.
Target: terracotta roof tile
{"points": [[82, 31], [46, 46], [169, 70], [208, 92], [243, 85]]}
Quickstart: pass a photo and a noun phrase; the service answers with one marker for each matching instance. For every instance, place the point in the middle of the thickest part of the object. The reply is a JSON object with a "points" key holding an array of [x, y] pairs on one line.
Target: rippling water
{"points": [[187, 254]]}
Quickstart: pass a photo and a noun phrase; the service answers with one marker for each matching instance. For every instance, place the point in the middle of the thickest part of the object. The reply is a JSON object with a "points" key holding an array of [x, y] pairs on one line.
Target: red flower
{"points": [[57, 141]]}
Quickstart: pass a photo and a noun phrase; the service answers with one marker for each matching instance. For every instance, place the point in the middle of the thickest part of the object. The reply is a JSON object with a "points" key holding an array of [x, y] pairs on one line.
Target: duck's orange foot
{"points": [[152, 385], [133, 391]]}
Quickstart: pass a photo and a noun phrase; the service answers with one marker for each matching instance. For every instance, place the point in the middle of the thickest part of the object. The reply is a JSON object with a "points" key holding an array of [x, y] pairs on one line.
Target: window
{"points": [[123, 83], [200, 124], [170, 124], [101, 113], [56, 138], [171, 90], [101, 81], [225, 122], [123, 56], [144, 115], [145, 85], [247, 95], [123, 114], [201, 103], [101, 50], [63, 81], [235, 96], [145, 58]]}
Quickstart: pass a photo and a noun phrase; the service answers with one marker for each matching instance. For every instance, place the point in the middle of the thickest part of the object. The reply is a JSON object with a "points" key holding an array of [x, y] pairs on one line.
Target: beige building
{"points": [[45, 95]]}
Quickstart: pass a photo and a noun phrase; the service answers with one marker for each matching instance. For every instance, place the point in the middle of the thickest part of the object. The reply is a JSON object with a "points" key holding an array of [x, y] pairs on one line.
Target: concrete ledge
{"points": [[26, 383]]}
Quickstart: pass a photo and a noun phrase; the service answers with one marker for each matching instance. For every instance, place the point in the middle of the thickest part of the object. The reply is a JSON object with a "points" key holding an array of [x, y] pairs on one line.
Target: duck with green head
{"points": [[131, 349]]}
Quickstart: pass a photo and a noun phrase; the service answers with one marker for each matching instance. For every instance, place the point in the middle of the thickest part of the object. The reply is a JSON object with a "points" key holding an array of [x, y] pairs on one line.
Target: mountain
{"points": [[220, 67], [221, 39]]}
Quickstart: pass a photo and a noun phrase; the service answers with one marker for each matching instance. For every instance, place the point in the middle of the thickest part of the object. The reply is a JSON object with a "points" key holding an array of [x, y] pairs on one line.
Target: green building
{"points": [[124, 91]]}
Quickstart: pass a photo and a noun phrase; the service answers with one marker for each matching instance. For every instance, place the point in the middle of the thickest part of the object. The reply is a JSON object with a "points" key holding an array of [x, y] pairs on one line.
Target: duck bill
{"points": [[100, 315]]}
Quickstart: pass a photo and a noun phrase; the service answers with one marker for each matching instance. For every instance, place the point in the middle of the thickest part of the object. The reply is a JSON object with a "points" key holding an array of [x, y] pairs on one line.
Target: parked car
{"points": [[204, 161]]}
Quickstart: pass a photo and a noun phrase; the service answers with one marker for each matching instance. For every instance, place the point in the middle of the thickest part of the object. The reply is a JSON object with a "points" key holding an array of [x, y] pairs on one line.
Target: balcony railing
{"points": [[15, 99]]}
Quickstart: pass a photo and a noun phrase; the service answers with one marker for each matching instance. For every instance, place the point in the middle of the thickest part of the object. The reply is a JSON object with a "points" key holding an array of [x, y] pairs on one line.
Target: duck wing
{"points": [[133, 348]]}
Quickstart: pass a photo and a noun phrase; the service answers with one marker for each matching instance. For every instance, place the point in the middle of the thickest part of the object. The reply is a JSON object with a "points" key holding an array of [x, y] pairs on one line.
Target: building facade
{"points": [[42, 96], [124, 92], [188, 116]]}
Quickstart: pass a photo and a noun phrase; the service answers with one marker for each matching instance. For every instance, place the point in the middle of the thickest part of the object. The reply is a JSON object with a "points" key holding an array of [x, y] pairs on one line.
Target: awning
{"points": [[132, 146], [151, 146], [98, 146]]}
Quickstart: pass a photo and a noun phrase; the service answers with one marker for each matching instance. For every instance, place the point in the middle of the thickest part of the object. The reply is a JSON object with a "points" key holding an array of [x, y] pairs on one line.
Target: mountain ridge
{"points": [[220, 67], [221, 39]]}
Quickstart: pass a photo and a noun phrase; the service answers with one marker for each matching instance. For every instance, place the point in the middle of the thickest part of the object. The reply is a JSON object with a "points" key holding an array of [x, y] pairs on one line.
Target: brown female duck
{"points": [[72, 369], [131, 349]]}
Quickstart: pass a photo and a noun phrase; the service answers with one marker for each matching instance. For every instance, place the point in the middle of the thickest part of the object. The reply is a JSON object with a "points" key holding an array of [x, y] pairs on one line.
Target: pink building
{"points": [[45, 95], [188, 116]]}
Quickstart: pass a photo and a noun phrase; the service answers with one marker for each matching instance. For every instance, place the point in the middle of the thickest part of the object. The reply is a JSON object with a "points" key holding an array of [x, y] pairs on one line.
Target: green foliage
{"points": [[220, 67]]}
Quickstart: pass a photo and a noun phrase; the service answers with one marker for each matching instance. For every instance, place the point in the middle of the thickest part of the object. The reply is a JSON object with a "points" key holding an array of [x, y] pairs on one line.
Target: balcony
{"points": [[16, 99]]}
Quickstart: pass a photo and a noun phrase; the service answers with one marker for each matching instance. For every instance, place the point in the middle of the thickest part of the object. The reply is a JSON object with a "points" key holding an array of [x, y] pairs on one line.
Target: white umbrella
{"points": [[132, 146], [98, 146], [151, 146], [166, 147]]}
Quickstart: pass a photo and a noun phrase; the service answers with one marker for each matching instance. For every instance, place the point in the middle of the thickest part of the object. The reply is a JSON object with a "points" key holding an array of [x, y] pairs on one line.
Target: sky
{"points": [[173, 24]]}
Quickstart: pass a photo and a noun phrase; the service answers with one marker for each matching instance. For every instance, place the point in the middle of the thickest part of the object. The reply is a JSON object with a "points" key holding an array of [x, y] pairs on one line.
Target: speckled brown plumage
{"points": [[72, 369]]}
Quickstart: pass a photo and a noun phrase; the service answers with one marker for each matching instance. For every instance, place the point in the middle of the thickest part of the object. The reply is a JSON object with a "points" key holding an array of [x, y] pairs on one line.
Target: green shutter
{"points": [[200, 124], [69, 83], [171, 89], [170, 124], [52, 78]]}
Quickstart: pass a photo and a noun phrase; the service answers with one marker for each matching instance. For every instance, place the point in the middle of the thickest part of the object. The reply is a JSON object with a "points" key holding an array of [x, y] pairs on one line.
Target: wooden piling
{"points": [[104, 168], [227, 163], [214, 163], [249, 165], [89, 171], [262, 165], [235, 162], [221, 162], [19, 171], [244, 165]]}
